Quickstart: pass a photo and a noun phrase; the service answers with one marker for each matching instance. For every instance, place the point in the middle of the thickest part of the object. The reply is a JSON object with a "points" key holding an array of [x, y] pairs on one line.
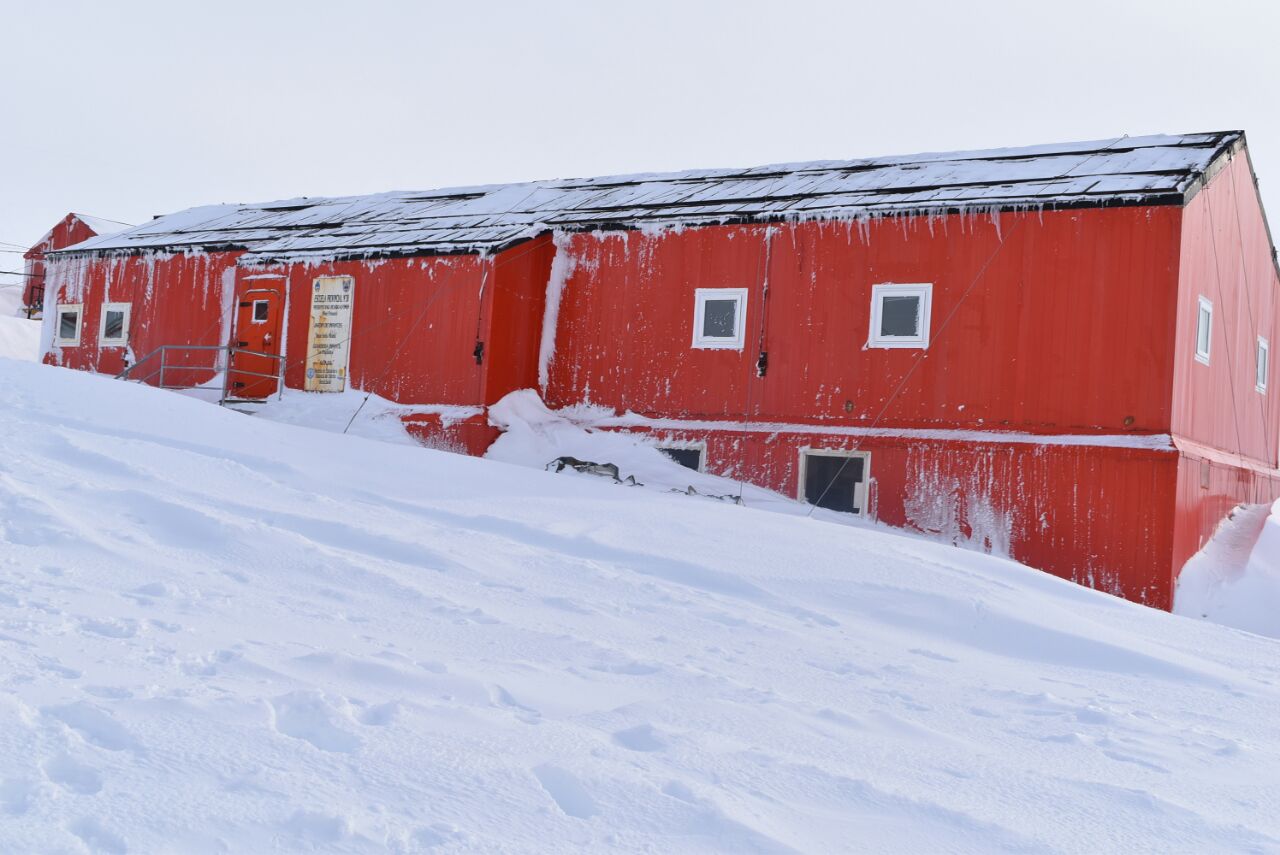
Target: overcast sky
{"points": [[126, 109]]}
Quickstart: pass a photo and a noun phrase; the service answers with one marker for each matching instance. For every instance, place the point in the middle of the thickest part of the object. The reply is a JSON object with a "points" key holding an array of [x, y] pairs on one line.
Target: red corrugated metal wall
{"points": [[1065, 328], [191, 312], [1045, 341], [1099, 516], [1226, 257]]}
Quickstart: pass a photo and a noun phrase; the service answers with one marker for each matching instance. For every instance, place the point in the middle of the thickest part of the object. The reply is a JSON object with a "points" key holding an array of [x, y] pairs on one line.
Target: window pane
{"points": [[836, 477], [113, 325], [689, 458], [260, 309], [900, 316], [1261, 371], [718, 318], [1202, 332], [67, 323]]}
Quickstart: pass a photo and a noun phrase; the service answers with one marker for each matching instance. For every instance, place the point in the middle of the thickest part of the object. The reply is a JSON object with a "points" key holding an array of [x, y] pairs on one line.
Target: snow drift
{"points": [[1235, 579], [219, 633], [19, 338]]}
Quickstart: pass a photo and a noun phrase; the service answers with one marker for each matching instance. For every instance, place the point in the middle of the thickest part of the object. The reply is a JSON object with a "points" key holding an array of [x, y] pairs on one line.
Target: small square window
{"points": [[115, 325], [900, 315], [836, 480], [1204, 330], [1262, 367], [68, 319], [719, 317], [261, 311], [689, 455]]}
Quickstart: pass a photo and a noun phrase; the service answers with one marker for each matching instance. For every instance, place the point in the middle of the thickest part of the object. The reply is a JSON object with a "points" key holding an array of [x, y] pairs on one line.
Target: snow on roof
{"points": [[101, 227], [1126, 170]]}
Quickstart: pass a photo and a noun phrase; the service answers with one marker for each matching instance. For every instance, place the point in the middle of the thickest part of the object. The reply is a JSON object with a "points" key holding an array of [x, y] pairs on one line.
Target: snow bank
{"points": [[534, 436], [19, 338], [220, 633], [1235, 579]]}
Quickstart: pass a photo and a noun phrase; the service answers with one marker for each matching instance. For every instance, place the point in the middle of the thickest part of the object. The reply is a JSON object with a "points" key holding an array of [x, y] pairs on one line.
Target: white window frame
{"points": [[691, 445], [1204, 306], [1262, 365], [700, 298], [123, 340], [859, 492], [253, 311], [78, 308], [923, 290]]}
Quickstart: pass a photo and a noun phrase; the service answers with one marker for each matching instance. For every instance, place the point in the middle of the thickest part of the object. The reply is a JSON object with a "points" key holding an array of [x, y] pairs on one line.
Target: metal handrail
{"points": [[217, 367]]}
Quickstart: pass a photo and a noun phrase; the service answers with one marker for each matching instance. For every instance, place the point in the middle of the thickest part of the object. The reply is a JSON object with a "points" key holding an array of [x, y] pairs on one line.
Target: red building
{"points": [[1059, 353], [70, 230]]}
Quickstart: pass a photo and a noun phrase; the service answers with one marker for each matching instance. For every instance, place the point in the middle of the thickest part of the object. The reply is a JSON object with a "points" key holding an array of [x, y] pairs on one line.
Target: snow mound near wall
{"points": [[1235, 579], [534, 436]]}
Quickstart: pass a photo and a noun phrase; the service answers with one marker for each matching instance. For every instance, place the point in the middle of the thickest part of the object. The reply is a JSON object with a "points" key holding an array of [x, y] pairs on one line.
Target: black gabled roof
{"points": [[1148, 170]]}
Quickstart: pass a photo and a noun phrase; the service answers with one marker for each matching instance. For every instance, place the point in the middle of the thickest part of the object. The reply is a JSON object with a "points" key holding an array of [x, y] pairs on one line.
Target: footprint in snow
{"points": [[566, 791], [499, 696], [110, 628], [16, 796], [98, 838], [71, 775], [307, 716], [55, 667], [929, 654], [316, 827], [95, 725], [642, 737]]}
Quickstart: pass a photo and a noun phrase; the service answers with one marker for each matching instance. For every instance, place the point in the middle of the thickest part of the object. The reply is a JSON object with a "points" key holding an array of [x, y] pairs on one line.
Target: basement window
{"points": [[900, 315], [719, 318], [691, 455], [1262, 366], [1204, 330], [68, 320], [836, 480], [115, 325]]}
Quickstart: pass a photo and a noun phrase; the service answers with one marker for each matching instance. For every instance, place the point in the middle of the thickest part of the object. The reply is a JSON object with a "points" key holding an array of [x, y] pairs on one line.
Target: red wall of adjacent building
{"points": [[68, 232], [1225, 256]]}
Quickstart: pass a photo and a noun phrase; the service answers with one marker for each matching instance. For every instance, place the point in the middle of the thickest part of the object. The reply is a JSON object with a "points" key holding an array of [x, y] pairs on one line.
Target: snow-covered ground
{"points": [[220, 633]]}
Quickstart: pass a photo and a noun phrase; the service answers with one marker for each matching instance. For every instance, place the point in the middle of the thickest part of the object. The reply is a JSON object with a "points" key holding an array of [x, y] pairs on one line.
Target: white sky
{"points": [[128, 109]]}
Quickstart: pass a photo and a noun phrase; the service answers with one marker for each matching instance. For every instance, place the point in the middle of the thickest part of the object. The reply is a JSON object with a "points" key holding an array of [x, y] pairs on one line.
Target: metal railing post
{"points": [[162, 355], [226, 373]]}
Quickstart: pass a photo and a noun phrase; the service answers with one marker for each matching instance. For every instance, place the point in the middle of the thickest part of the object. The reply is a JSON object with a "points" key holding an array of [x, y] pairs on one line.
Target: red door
{"points": [[256, 339]]}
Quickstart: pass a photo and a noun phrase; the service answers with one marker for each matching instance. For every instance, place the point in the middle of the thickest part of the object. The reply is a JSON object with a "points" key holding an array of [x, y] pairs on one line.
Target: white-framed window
{"points": [[835, 479], [900, 315], [67, 319], [261, 311], [114, 328], [1204, 329], [719, 318], [1262, 365], [691, 455]]}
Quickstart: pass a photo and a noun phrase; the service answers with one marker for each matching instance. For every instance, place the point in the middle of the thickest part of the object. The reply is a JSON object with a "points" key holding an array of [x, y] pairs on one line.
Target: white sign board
{"points": [[329, 339]]}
